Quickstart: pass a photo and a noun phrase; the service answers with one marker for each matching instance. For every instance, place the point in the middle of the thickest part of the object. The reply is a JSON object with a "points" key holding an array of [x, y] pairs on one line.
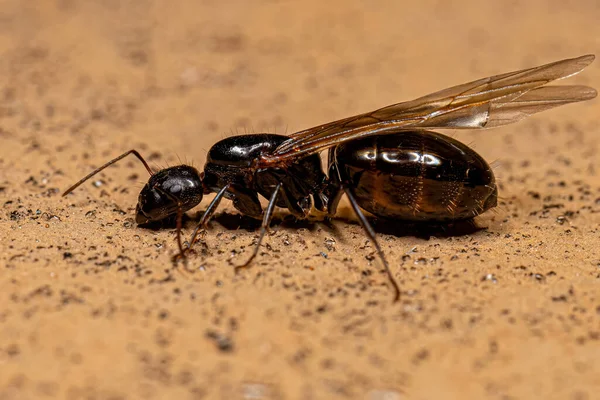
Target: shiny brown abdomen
{"points": [[418, 176]]}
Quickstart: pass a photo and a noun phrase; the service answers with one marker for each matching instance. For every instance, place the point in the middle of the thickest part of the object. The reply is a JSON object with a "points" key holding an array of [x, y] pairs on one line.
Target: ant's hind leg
{"points": [[334, 195], [333, 191], [263, 227], [371, 235]]}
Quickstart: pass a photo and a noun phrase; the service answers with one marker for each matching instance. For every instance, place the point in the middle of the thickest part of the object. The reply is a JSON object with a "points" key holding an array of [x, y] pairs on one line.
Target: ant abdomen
{"points": [[415, 176]]}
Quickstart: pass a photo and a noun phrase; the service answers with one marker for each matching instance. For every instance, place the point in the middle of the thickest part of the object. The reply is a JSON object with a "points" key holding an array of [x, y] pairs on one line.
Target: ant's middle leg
{"points": [[263, 228]]}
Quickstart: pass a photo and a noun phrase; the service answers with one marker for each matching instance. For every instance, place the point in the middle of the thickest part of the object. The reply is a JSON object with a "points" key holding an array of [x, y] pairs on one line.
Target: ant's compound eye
{"points": [[153, 205]]}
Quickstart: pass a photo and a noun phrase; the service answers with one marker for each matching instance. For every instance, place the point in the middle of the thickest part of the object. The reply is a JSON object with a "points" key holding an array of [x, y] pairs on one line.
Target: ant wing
{"points": [[484, 103]]}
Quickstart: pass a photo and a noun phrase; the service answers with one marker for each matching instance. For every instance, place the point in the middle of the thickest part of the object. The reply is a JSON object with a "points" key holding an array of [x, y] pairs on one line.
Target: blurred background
{"points": [[177, 76]]}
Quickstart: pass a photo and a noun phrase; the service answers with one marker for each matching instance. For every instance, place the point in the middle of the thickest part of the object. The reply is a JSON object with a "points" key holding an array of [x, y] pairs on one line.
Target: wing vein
{"points": [[484, 103]]}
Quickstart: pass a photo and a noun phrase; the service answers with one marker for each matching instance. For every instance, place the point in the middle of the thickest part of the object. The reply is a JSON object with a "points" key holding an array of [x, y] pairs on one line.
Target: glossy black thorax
{"points": [[171, 190], [233, 162]]}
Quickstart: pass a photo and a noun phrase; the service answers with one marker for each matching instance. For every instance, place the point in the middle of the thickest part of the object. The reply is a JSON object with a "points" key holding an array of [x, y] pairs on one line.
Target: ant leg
{"points": [[335, 195], [371, 235], [334, 190], [179, 221], [181, 253], [207, 215], [263, 228], [179, 226]]}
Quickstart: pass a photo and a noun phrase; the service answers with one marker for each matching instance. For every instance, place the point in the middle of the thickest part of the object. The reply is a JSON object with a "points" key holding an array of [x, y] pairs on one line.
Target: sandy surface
{"points": [[91, 306]]}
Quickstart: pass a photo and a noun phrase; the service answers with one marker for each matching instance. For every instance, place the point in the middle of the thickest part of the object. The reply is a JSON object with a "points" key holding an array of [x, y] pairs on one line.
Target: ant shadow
{"points": [[280, 221], [420, 230]]}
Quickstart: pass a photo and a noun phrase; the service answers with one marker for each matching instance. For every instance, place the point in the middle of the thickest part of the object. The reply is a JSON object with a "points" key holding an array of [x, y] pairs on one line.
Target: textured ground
{"points": [[90, 305]]}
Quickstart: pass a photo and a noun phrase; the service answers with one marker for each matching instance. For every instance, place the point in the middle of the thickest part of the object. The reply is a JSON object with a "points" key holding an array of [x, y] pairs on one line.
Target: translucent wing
{"points": [[484, 103]]}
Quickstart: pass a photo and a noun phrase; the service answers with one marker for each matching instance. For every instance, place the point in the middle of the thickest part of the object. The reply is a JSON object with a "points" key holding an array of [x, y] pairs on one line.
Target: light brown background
{"points": [[90, 304]]}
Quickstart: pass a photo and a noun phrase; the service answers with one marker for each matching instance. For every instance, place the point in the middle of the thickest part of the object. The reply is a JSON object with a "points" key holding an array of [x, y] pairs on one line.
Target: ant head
{"points": [[168, 192]]}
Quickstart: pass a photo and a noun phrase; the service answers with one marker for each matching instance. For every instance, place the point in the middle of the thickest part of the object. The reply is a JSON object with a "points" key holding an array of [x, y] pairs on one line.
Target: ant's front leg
{"points": [[245, 201], [202, 224], [181, 255], [179, 208]]}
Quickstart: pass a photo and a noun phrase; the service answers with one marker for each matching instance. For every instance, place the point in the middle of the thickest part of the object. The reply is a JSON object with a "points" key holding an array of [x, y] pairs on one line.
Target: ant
{"points": [[386, 162]]}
